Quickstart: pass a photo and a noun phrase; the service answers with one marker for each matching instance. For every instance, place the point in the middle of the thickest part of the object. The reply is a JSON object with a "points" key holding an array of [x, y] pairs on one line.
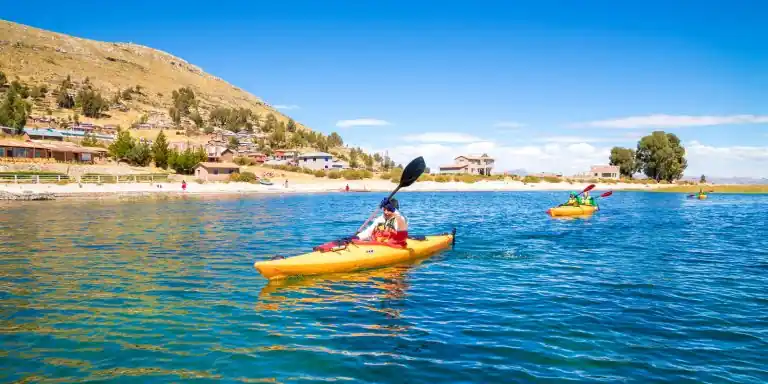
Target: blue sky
{"points": [[541, 85]]}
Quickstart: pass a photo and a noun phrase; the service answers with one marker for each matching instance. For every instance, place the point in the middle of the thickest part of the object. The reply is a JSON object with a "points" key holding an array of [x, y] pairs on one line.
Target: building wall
{"points": [[216, 174], [227, 157], [316, 163], [453, 171]]}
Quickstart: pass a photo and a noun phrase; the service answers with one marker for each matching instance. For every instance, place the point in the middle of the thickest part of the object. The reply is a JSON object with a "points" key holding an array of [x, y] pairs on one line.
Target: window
{"points": [[314, 159], [215, 171]]}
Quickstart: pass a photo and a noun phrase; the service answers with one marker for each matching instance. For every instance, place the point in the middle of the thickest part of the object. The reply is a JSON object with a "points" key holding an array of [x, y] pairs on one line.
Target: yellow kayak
{"points": [[572, 211], [702, 197], [352, 257]]}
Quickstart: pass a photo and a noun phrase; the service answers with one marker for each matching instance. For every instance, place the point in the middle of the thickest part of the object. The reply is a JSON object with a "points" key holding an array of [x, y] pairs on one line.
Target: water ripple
{"points": [[654, 288]]}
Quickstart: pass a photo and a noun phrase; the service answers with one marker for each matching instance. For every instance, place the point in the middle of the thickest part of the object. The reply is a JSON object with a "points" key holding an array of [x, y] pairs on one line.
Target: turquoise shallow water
{"points": [[653, 288]]}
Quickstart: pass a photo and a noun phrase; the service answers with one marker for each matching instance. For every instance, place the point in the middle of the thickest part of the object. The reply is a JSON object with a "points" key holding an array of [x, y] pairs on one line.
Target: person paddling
{"points": [[391, 227], [572, 201]]}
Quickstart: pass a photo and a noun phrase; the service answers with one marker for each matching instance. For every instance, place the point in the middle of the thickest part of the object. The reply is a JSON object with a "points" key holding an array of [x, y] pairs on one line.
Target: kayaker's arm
{"points": [[402, 224]]}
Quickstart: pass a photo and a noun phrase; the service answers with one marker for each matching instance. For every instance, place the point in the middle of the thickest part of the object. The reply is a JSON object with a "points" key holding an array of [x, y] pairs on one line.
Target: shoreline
{"points": [[172, 190]]}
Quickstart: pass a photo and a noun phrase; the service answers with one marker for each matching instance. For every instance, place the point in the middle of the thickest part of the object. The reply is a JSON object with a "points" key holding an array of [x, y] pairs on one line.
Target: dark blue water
{"points": [[653, 288]]}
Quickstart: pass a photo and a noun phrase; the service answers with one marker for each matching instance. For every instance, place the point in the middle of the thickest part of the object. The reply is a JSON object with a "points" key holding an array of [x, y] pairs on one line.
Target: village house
{"points": [[471, 164], [59, 151], [208, 171], [43, 134], [290, 155], [604, 172], [220, 154], [316, 161]]}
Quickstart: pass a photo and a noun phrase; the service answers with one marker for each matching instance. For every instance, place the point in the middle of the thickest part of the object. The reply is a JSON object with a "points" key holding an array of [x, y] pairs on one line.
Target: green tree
{"points": [[91, 102], [89, 140], [175, 114], [353, 158], [140, 154], [122, 146], [334, 140], [14, 111], [625, 159], [368, 159], [197, 119], [183, 100], [703, 179], [377, 157], [20, 89], [270, 125], [185, 162], [233, 143], [291, 127], [160, 151], [661, 156]]}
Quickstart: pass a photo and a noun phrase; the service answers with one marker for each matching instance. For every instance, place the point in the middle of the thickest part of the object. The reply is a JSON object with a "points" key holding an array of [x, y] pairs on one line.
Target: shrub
{"points": [[334, 174], [531, 179], [244, 177], [385, 176], [352, 174], [552, 179], [426, 177], [320, 173], [244, 161]]}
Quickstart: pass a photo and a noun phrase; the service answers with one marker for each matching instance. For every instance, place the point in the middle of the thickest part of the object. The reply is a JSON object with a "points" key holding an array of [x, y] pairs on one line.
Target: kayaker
{"points": [[572, 200], [585, 199], [391, 227]]}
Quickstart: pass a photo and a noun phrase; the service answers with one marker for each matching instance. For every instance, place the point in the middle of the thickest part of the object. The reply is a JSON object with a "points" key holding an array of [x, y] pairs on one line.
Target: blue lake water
{"points": [[653, 288]]}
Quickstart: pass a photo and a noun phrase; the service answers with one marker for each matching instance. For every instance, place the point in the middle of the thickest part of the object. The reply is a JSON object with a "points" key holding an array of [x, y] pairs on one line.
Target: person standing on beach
{"points": [[184, 185], [347, 188]]}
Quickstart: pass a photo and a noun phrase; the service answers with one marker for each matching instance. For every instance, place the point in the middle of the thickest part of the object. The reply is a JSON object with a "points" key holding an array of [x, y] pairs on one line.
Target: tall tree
{"points": [[703, 179], [160, 151], [334, 140], [661, 156], [233, 143], [122, 145], [14, 111], [291, 127], [625, 159]]}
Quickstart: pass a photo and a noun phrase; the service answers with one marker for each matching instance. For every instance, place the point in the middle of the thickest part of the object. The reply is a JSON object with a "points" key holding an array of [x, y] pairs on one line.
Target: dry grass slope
{"points": [[39, 57]]}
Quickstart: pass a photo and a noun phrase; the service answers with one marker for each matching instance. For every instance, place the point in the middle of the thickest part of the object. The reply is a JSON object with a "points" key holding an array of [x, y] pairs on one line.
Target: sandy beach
{"points": [[75, 190]]}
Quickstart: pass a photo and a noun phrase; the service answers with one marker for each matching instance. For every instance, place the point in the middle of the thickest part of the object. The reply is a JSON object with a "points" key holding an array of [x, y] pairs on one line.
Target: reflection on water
{"points": [[652, 286]]}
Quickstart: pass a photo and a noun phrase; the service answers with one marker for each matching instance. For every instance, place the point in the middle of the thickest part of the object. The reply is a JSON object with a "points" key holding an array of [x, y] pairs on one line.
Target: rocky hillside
{"points": [[41, 58]]}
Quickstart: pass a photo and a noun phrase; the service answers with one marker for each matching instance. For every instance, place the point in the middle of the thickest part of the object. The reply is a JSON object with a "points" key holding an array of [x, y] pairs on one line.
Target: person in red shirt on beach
{"points": [[183, 185]]}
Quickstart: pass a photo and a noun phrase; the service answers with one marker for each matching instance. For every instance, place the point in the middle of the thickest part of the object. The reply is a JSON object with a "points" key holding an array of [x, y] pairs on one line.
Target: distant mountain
{"points": [[729, 180]]}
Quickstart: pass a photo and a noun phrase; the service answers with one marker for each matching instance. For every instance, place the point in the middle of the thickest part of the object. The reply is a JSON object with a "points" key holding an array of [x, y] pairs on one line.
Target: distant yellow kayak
{"points": [[353, 257], [572, 211], [702, 197]]}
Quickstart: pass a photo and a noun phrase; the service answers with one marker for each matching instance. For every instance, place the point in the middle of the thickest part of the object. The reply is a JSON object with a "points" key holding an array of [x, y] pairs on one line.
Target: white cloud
{"points": [[508, 125], [361, 123], [442, 137], [552, 157], [736, 161], [571, 139], [674, 121], [286, 106]]}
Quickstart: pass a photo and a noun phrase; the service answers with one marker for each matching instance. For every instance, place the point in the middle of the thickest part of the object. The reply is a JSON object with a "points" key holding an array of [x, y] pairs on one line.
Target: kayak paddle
{"points": [[606, 194], [411, 173], [587, 189]]}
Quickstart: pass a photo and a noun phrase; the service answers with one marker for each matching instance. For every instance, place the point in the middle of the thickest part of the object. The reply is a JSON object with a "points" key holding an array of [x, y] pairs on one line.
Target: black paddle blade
{"points": [[413, 171]]}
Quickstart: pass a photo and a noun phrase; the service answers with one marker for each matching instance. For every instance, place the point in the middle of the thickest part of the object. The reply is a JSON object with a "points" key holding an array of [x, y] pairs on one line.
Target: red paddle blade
{"points": [[588, 188], [607, 194]]}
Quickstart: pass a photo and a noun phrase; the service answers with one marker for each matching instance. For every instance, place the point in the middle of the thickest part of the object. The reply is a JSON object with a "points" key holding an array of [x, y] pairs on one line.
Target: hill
{"points": [[69, 80]]}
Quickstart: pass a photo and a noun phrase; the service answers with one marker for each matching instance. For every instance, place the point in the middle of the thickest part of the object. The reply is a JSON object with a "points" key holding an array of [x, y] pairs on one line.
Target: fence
{"points": [[86, 179]]}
